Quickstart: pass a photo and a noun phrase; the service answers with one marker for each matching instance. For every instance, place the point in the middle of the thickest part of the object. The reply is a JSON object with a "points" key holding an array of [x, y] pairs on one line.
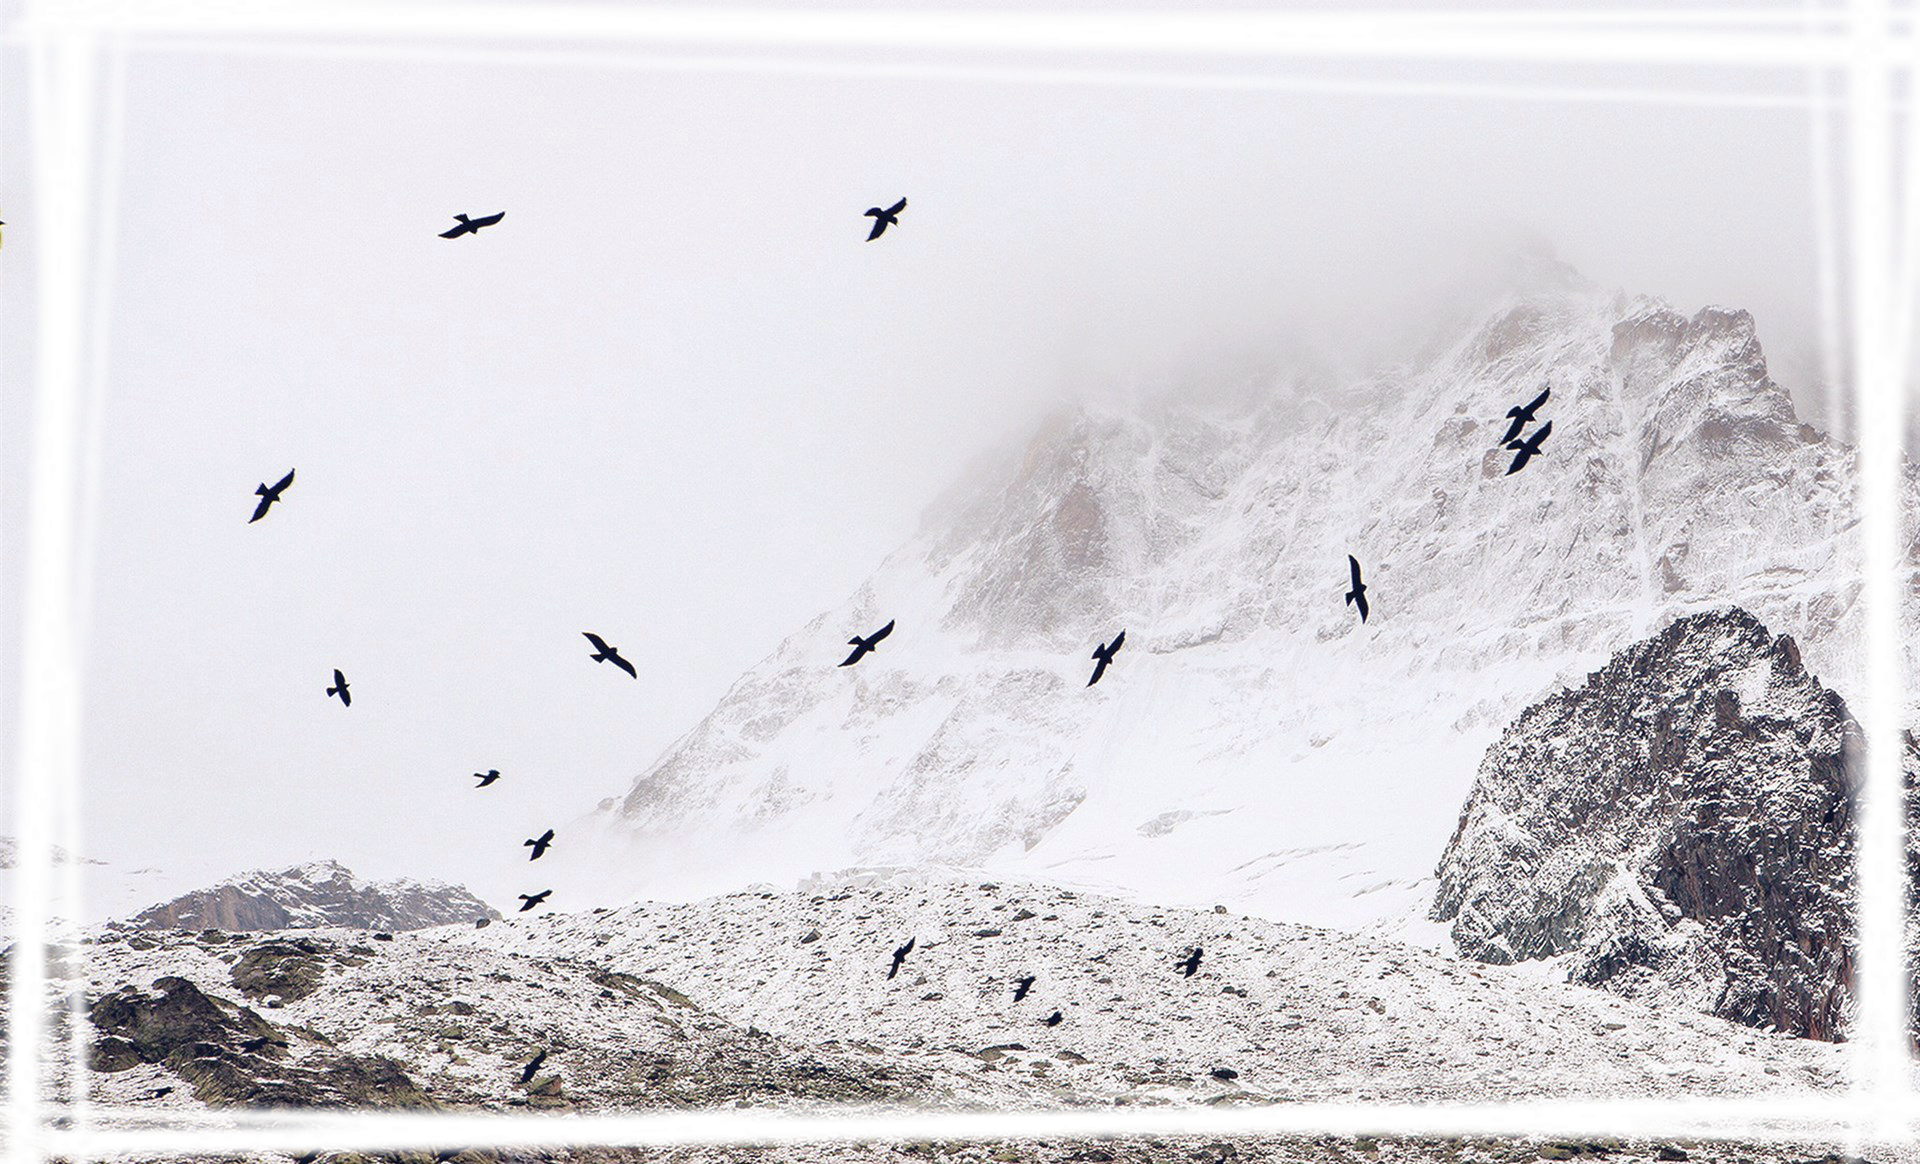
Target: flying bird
{"points": [[471, 225], [534, 899], [268, 495], [1358, 595], [605, 654], [1191, 962], [540, 844], [882, 219], [1053, 1020], [527, 1072], [862, 646], [900, 956], [1523, 416], [1103, 655], [487, 777], [1528, 449], [1020, 989], [340, 688]]}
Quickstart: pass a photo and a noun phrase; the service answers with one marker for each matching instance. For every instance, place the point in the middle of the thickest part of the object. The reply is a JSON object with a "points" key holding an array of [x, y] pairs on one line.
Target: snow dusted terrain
{"points": [[784, 998], [1254, 743]]}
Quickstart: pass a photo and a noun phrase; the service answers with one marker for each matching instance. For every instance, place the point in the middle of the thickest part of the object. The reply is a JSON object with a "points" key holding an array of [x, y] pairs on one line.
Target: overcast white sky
{"points": [[675, 399]]}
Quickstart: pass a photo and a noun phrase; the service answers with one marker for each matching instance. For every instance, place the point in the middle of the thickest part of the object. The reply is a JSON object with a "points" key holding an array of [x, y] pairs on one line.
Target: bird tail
{"points": [[1350, 597], [262, 490]]}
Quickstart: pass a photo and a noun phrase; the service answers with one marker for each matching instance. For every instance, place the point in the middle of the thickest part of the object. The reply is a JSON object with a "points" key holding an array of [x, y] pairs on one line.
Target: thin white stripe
{"points": [[935, 71], [62, 87], [1881, 1061], [1352, 35], [1783, 1119]]}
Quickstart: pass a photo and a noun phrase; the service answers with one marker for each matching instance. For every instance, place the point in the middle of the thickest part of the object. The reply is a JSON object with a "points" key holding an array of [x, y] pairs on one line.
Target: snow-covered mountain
{"points": [[1254, 742], [1679, 828], [318, 893]]}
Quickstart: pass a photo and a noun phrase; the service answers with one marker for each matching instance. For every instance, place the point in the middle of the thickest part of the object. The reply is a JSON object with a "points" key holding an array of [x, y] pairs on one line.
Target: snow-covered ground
{"points": [[785, 998]]}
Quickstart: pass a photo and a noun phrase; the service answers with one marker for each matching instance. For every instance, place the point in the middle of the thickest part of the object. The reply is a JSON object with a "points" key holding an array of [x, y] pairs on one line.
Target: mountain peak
{"points": [[316, 893]]}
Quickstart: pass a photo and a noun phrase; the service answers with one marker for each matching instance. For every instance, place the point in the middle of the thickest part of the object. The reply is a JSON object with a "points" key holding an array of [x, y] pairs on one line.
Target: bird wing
{"points": [[456, 232], [897, 207], [1117, 640], [260, 510], [1540, 434], [599, 644], [1540, 399], [339, 680], [489, 220], [882, 633], [1513, 430], [284, 481], [1360, 601], [879, 224], [346, 697], [614, 658], [853, 656], [1353, 570], [546, 838]]}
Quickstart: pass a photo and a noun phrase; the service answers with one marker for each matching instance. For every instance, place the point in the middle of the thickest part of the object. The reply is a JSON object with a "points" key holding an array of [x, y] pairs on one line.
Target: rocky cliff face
{"points": [[1679, 828], [1309, 764], [322, 893]]}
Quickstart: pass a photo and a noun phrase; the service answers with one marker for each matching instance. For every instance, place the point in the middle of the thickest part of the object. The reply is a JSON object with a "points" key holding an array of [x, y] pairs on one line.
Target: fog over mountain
{"points": [[1255, 742]]}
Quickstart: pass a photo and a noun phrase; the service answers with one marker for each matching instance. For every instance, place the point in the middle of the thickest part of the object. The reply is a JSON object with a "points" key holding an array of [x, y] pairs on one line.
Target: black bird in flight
{"points": [[527, 1072], [1523, 416], [862, 646], [1191, 962], [1358, 595], [471, 225], [1528, 449], [900, 956], [1103, 655], [487, 777], [882, 219], [605, 654], [540, 844], [268, 496], [340, 688], [1054, 1019], [534, 899], [1021, 988]]}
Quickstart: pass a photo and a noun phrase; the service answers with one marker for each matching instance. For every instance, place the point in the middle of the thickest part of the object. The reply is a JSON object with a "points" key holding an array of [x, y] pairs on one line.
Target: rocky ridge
{"points": [[321, 893]]}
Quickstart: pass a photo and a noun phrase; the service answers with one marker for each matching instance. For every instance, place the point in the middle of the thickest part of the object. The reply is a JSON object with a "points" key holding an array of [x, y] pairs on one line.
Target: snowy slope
{"points": [[784, 999], [1254, 743]]}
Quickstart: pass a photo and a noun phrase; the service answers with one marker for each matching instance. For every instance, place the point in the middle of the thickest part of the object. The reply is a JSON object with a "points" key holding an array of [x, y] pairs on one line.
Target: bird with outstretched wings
{"points": [[882, 219], [602, 653], [471, 225]]}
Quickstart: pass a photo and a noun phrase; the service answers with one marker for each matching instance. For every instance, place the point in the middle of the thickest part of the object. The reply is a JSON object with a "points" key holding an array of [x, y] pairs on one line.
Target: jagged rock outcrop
{"points": [[1679, 828], [321, 893], [230, 1055]]}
